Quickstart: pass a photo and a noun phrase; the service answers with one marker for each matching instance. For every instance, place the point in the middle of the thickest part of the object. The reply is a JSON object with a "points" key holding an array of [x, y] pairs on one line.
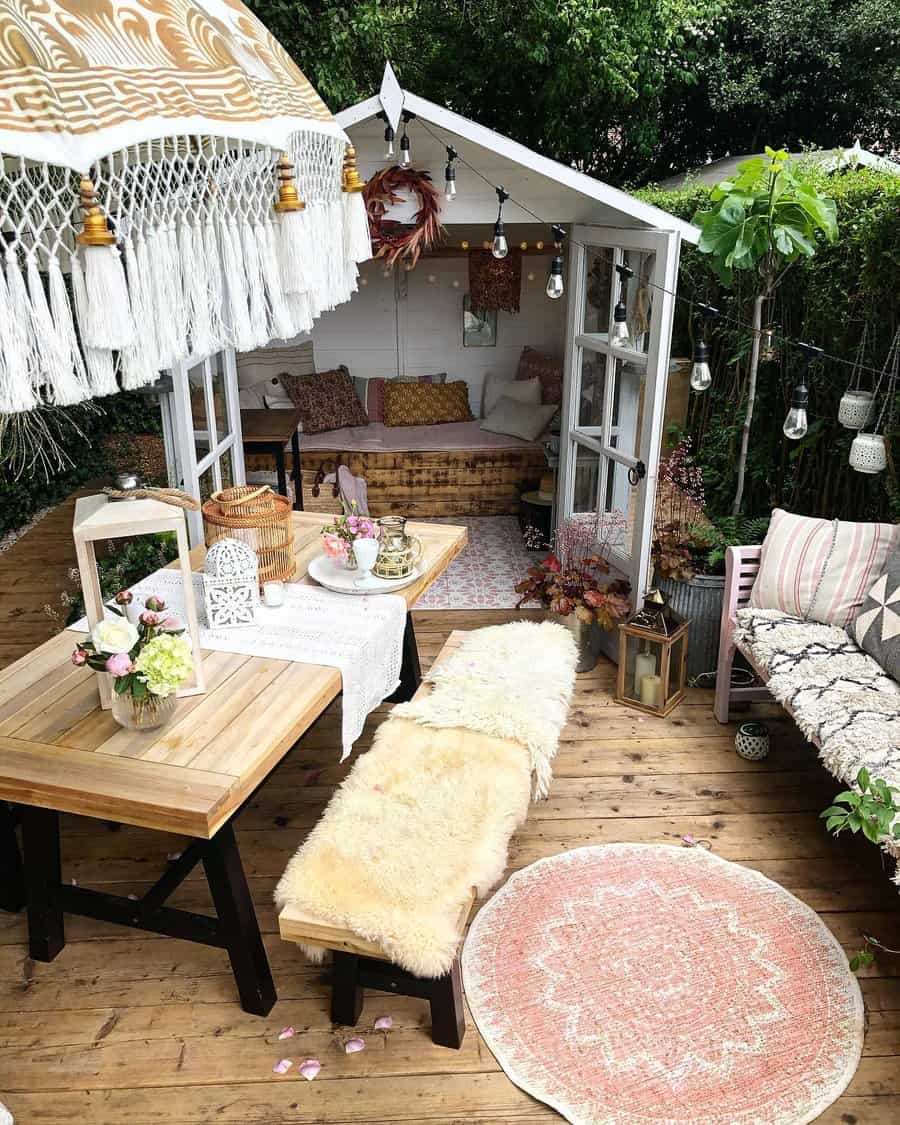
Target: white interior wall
{"points": [[412, 325]]}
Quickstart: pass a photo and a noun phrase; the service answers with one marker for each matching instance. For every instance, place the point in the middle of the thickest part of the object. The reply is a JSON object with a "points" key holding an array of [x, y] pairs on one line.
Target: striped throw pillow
{"points": [[820, 570]]}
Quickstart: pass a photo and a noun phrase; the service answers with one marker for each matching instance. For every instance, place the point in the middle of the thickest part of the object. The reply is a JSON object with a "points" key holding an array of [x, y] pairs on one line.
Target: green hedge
{"points": [[826, 301]]}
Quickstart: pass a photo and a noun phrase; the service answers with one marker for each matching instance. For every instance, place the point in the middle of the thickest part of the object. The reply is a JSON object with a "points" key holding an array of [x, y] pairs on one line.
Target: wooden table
{"points": [[269, 431], [59, 752]]}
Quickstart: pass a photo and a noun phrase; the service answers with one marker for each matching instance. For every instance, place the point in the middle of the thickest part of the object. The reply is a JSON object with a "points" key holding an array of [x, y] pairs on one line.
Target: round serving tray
{"points": [[333, 575]]}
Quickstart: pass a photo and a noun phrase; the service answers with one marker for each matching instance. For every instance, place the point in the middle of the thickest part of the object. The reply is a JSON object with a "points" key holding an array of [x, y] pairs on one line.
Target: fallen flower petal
{"points": [[286, 1033], [384, 1023], [282, 1067], [689, 840], [310, 1069], [354, 1045]]}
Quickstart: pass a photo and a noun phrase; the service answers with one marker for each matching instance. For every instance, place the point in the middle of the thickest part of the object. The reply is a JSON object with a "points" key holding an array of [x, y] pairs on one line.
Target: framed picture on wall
{"points": [[479, 326]]}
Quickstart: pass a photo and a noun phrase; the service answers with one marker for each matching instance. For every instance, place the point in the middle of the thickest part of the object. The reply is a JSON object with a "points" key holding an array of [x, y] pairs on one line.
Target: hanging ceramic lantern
{"points": [[868, 453], [752, 741], [857, 409]]}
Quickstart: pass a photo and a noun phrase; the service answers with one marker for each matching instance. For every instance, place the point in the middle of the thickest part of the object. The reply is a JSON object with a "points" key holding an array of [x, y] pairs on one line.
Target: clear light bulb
{"points": [[620, 327], [405, 158], [555, 287], [499, 247], [796, 423], [450, 183], [389, 143], [701, 379]]}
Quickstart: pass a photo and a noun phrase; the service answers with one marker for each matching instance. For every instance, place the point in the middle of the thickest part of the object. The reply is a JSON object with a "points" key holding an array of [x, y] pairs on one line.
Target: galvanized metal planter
{"points": [[700, 601]]}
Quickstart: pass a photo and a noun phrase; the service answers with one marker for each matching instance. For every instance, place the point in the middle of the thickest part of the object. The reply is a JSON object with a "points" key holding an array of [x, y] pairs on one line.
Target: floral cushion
{"points": [[535, 365], [327, 400], [371, 391], [425, 404]]}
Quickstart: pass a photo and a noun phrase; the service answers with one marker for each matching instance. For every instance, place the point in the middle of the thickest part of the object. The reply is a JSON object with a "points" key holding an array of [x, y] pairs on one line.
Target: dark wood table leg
{"points": [[297, 472], [234, 907], [12, 879], [448, 1017], [43, 875], [346, 991], [281, 470], [411, 669]]}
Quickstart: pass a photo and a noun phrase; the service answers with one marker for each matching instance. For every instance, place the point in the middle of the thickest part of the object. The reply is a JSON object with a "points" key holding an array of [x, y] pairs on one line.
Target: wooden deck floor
{"points": [[124, 1027]]}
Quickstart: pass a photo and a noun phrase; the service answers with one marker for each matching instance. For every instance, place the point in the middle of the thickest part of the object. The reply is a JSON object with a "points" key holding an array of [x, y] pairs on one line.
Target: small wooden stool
{"points": [[359, 964]]}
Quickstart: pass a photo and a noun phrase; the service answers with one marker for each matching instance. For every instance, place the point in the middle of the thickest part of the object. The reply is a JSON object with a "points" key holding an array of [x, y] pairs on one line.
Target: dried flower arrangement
{"points": [[392, 240], [570, 579]]}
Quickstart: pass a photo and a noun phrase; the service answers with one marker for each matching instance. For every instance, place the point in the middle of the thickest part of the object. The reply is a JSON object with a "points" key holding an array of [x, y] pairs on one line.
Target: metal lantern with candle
{"points": [[652, 657]]}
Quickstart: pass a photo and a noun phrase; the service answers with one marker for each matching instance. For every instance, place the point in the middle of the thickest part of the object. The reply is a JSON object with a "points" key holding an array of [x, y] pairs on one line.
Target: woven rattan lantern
{"points": [[652, 658], [262, 520]]}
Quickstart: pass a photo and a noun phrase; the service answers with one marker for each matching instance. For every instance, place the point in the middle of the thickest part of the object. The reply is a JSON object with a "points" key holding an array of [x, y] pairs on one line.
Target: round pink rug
{"points": [[638, 984]]}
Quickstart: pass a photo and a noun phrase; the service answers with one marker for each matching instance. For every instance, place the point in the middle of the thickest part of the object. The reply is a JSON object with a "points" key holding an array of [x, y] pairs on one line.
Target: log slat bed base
{"points": [[447, 483]]}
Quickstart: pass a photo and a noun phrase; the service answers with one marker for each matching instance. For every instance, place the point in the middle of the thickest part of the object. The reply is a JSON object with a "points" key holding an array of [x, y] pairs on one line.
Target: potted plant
{"points": [[148, 661], [570, 582], [689, 546]]}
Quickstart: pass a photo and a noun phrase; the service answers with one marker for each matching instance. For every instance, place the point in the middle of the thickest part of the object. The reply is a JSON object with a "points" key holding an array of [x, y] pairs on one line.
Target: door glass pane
{"points": [[207, 484], [628, 395], [217, 364], [226, 466], [641, 296], [587, 479], [598, 295], [617, 508], [593, 379]]}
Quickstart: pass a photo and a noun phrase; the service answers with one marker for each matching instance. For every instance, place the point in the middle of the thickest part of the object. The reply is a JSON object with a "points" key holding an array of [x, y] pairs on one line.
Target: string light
{"points": [[555, 285], [796, 424], [450, 174], [620, 334], [701, 379], [388, 137], [771, 335], [405, 156], [500, 247]]}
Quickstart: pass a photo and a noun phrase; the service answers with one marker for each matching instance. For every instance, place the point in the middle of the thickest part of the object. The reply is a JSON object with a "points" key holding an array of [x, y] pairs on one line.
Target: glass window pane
{"points": [[217, 363], [641, 295], [597, 304], [626, 408], [207, 484], [617, 509], [593, 378], [226, 465], [587, 479]]}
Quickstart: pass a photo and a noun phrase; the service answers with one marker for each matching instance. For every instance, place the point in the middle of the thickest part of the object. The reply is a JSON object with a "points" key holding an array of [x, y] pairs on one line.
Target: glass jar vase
{"points": [[149, 713]]}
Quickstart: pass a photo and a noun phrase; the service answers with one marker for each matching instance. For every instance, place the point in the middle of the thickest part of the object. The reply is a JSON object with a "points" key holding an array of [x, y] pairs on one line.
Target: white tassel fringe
{"points": [[99, 361], [295, 252], [17, 391], [357, 236], [107, 322], [71, 383]]}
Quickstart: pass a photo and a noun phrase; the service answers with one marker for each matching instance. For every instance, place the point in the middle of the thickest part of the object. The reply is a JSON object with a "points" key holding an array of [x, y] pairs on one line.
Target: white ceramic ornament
{"points": [[230, 585], [856, 409], [752, 741], [868, 454]]}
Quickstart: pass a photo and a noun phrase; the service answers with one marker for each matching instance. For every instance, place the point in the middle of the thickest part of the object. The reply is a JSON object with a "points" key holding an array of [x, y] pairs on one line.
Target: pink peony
{"points": [[171, 624], [365, 529], [119, 664], [150, 618], [154, 604], [79, 657], [334, 546], [124, 597]]}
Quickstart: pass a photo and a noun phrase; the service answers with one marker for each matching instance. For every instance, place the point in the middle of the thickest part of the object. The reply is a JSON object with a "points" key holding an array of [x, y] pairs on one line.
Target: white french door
{"points": [[202, 429], [614, 396]]}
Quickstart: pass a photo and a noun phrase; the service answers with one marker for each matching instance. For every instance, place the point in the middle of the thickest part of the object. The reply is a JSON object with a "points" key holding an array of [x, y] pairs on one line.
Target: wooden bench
{"points": [[358, 964]]}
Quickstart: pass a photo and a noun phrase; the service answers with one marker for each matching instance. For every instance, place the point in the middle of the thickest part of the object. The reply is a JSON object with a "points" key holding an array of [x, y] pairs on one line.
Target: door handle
{"points": [[637, 473]]}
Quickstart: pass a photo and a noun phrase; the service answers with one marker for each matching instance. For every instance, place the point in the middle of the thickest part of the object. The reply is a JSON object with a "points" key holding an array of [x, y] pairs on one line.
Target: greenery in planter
{"points": [[825, 299]]}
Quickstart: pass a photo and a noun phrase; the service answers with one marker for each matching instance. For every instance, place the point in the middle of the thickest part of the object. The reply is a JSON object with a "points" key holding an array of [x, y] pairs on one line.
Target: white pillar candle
{"points": [[651, 688], [273, 593], [644, 665]]}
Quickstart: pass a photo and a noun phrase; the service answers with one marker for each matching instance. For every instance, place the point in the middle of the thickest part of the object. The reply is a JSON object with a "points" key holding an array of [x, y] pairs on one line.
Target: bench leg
{"points": [[234, 907], [448, 1019], [12, 878], [722, 705], [43, 875], [346, 991]]}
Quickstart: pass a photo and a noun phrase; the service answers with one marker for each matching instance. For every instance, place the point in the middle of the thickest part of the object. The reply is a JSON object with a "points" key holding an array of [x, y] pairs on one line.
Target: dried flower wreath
{"points": [[394, 241]]}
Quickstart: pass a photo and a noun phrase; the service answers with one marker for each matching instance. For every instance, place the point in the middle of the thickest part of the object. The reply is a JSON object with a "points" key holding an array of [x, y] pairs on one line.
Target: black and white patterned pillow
{"points": [[877, 625]]}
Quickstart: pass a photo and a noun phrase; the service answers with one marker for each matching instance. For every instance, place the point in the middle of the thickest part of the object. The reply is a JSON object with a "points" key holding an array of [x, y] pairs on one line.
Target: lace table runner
{"points": [[361, 636]]}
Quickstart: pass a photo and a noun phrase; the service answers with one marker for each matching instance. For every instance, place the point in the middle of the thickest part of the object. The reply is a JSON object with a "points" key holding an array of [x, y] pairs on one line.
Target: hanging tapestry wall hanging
{"points": [[394, 241], [495, 284]]}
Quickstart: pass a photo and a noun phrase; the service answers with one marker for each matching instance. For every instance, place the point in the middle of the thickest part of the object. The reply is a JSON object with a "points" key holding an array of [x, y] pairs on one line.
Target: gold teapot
{"points": [[398, 552]]}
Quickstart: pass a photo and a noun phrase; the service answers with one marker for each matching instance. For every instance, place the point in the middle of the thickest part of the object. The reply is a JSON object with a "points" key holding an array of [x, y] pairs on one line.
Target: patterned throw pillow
{"points": [[425, 404], [877, 625], [819, 569], [370, 392], [327, 399], [536, 365]]}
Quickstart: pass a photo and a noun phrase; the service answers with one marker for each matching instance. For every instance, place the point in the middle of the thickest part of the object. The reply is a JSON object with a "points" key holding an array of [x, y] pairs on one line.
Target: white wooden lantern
{"points": [[96, 518], [231, 584]]}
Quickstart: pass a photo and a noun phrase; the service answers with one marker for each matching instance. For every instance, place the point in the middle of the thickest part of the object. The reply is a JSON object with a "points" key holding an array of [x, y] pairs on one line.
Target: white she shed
{"points": [[403, 323]]}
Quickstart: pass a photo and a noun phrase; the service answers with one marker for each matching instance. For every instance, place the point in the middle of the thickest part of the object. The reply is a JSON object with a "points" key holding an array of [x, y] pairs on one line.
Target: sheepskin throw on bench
{"points": [[428, 812]]}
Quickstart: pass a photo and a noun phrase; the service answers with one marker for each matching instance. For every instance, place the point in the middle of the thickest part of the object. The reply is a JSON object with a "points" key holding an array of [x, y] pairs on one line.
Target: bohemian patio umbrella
{"points": [[171, 185]]}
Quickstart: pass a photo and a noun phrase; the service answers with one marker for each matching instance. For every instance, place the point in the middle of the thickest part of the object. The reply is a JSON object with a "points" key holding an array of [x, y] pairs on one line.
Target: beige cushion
{"points": [[495, 388], [518, 419]]}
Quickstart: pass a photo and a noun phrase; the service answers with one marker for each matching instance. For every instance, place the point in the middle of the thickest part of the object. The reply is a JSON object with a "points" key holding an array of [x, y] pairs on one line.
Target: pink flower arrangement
{"points": [[119, 664], [334, 546], [338, 537]]}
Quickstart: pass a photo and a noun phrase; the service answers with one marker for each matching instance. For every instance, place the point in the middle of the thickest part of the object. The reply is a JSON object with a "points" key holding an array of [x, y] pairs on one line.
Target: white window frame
{"points": [[665, 245], [181, 436]]}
